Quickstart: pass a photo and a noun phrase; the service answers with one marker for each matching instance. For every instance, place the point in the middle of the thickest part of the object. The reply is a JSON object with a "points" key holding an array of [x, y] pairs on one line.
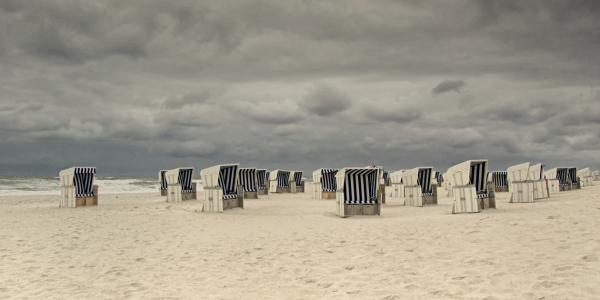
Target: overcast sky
{"points": [[135, 86]]}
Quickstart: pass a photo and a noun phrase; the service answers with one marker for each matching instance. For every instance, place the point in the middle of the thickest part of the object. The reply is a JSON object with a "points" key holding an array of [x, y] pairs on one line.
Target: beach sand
{"points": [[287, 246]]}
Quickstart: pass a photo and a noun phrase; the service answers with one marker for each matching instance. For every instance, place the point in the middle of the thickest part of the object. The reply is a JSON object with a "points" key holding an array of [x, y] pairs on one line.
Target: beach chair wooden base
{"points": [[502, 189], [163, 192], [362, 209], [68, 198], [328, 195], [382, 191], [250, 195], [263, 191], [522, 192], [540, 189], [174, 193]]}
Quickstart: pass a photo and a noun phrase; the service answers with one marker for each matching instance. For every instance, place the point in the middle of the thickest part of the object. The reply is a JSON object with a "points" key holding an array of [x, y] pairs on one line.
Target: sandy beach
{"points": [[294, 247]]}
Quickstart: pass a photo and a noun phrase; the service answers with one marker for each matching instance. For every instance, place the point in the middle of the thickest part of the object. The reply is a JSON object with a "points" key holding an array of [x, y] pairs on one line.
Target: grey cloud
{"points": [[189, 99], [448, 85], [276, 112], [389, 110], [326, 101]]}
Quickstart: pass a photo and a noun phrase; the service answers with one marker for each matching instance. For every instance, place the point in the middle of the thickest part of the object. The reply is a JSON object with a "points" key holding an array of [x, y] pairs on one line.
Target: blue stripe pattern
{"points": [[437, 176], [227, 180], [360, 186], [385, 176], [185, 180], [163, 180], [573, 175], [562, 174], [500, 179], [424, 180], [261, 176], [83, 180], [247, 179], [328, 182], [479, 176], [298, 178], [283, 179]]}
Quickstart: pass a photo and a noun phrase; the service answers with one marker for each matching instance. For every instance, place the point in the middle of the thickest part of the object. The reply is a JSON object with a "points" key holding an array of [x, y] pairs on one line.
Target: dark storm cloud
{"points": [[326, 101], [156, 84], [448, 85]]}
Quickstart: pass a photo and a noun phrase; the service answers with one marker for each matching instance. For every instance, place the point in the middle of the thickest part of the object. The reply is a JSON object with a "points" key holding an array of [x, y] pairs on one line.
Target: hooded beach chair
{"points": [[77, 187], [279, 181], [324, 183], [397, 184], [296, 182], [540, 185], [585, 177], [558, 179], [499, 178], [162, 179], [381, 181], [179, 185], [262, 181], [358, 192], [220, 189], [418, 188], [596, 175], [248, 181], [470, 188], [520, 186]]}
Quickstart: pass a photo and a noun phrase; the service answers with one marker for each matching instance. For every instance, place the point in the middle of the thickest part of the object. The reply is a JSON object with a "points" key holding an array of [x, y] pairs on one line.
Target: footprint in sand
{"points": [[590, 258]]}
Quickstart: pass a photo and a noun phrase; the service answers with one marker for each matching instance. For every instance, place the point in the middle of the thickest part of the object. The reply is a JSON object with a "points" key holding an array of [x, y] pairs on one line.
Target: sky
{"points": [[132, 87]]}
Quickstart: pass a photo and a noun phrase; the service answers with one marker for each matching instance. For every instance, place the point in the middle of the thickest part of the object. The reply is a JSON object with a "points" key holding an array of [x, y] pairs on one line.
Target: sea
{"points": [[50, 185]]}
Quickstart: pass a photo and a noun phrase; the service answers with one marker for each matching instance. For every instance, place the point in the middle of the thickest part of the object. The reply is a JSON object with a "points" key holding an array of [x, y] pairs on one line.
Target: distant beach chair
{"points": [[279, 182], [558, 179], [439, 180], [262, 180], [248, 180], [397, 184], [471, 190], [596, 175], [585, 177], [324, 183], [418, 188], [179, 185], [575, 184], [296, 183], [386, 179], [77, 187], [220, 189], [162, 179], [358, 192], [521, 187], [500, 180]]}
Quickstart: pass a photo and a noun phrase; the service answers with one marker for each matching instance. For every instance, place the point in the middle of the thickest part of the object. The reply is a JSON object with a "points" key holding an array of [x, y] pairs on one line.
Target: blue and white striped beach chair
{"points": [[162, 181], [324, 183], [296, 182], [179, 185], [248, 180], [77, 187], [499, 178], [262, 181], [279, 181], [358, 192], [221, 191], [418, 188]]}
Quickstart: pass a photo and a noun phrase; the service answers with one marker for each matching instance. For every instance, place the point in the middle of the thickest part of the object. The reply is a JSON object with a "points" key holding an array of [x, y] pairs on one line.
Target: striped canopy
{"points": [[83, 180], [573, 175], [499, 179], [185, 180], [247, 179], [261, 178], [282, 178], [424, 180], [478, 176], [162, 179], [360, 185], [227, 179], [562, 174], [328, 182], [298, 178]]}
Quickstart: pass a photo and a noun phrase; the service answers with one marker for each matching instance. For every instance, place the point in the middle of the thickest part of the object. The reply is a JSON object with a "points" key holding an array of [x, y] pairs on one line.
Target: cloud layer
{"points": [[137, 86]]}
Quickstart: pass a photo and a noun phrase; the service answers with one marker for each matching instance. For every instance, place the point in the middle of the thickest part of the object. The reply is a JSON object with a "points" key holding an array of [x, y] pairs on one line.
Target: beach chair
{"points": [[179, 185], [220, 189], [262, 180], [397, 184], [248, 181], [296, 183], [499, 178], [386, 179], [439, 180], [471, 189], [418, 188], [279, 182], [520, 186], [324, 183], [540, 184], [77, 187], [574, 180], [585, 177], [358, 192], [163, 182], [558, 180], [381, 182], [596, 175]]}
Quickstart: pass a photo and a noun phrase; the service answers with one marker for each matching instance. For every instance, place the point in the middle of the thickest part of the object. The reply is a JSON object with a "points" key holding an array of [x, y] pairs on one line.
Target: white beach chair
{"points": [[596, 175], [162, 179], [179, 185], [521, 187], [558, 179], [471, 190], [262, 180], [418, 188], [358, 192], [247, 179], [77, 187], [279, 181], [540, 185], [296, 183], [499, 178], [397, 184], [324, 183], [220, 189], [585, 177]]}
